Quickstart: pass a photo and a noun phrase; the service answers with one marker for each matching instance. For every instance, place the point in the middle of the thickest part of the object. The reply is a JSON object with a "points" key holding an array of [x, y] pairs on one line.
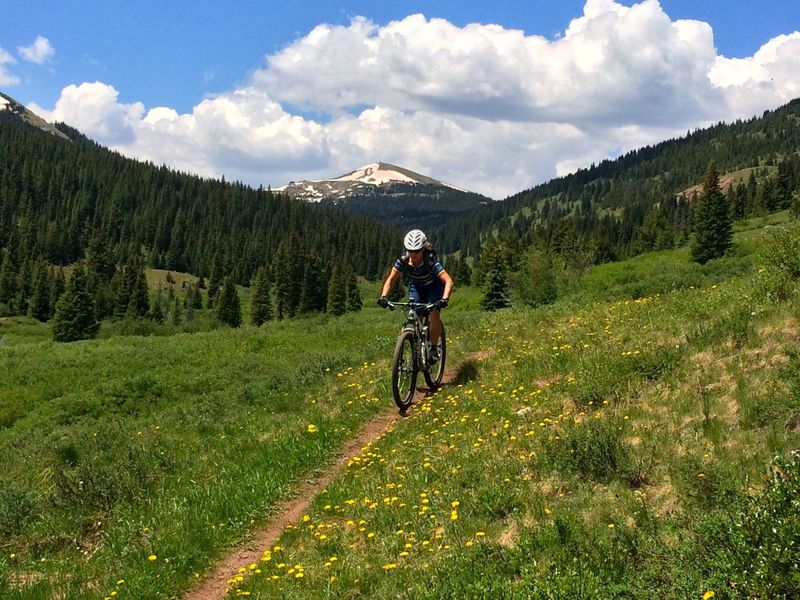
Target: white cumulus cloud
{"points": [[492, 109], [39, 52], [6, 76]]}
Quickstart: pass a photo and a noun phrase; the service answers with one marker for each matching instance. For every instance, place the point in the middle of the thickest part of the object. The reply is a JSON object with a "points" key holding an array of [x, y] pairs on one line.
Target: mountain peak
{"points": [[9, 106], [361, 180]]}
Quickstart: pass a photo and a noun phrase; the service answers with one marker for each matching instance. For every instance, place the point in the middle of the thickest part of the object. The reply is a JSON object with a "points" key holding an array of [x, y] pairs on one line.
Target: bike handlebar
{"points": [[426, 306]]}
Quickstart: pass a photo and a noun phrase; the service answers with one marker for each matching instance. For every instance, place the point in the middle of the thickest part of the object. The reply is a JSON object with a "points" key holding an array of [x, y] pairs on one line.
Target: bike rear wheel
{"points": [[404, 370], [433, 376]]}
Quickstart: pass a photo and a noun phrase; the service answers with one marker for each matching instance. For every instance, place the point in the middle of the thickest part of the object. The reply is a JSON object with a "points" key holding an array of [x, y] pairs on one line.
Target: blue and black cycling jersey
{"points": [[423, 274], [425, 285]]}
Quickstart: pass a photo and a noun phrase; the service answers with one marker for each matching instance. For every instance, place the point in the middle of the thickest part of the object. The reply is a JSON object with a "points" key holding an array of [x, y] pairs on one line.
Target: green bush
{"points": [[16, 508], [753, 550], [781, 258], [594, 448]]}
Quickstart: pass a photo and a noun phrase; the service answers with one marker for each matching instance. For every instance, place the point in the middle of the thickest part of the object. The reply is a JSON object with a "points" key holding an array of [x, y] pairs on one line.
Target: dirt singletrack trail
{"points": [[215, 585]]}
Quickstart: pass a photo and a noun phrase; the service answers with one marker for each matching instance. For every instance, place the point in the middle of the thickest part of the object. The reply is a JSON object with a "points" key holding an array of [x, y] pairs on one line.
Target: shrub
{"points": [[753, 549], [781, 257], [594, 448], [16, 508]]}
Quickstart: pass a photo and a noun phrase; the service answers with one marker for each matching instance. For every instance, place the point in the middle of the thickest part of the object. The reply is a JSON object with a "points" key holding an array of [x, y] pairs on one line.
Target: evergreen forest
{"points": [[66, 200]]}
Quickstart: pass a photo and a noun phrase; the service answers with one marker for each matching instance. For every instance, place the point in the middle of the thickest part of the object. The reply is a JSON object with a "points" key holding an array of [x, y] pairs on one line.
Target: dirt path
{"points": [[292, 510]]}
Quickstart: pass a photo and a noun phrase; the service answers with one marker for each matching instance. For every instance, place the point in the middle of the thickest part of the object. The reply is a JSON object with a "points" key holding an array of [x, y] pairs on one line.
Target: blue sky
{"points": [[494, 96]]}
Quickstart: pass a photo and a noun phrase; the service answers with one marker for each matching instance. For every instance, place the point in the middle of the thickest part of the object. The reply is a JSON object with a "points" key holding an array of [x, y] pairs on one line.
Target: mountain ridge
{"points": [[10, 107], [363, 179]]}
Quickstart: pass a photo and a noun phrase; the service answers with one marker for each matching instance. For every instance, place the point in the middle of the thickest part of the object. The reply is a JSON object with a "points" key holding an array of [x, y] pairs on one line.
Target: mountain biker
{"points": [[430, 283]]}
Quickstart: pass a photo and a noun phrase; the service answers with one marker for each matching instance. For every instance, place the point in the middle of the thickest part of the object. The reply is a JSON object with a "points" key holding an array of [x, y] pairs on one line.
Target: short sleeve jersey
{"points": [[422, 274]]}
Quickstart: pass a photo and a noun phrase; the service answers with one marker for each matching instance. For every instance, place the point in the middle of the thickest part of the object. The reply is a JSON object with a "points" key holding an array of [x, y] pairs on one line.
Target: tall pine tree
{"points": [[75, 313], [228, 306], [337, 292], [261, 304], [713, 232], [354, 302]]}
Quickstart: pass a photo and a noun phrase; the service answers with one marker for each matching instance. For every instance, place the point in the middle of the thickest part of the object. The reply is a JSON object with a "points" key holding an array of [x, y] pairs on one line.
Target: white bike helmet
{"points": [[414, 240]]}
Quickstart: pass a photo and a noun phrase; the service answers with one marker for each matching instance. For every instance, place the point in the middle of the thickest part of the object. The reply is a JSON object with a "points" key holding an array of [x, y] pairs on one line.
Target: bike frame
{"points": [[417, 321]]}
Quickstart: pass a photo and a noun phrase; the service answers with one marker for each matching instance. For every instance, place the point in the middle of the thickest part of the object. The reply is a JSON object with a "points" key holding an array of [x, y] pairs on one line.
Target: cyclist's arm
{"points": [[448, 283], [387, 285]]}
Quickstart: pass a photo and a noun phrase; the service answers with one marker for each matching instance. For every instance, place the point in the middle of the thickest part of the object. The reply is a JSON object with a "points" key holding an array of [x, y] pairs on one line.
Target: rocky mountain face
{"points": [[11, 109], [389, 194], [366, 180]]}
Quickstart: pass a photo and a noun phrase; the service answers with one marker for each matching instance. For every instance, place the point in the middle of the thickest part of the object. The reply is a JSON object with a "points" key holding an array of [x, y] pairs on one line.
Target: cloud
{"points": [[94, 109], [6, 77], [39, 52], [480, 106], [627, 58]]}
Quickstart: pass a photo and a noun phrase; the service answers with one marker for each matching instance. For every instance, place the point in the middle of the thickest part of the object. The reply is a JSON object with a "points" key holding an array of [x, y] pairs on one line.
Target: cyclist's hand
{"points": [[383, 302], [442, 303]]}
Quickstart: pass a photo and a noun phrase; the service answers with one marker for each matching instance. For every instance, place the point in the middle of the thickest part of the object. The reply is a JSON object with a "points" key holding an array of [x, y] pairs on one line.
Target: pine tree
{"points": [[261, 304], [58, 285], [495, 294], [156, 313], [354, 302], [228, 306], [314, 290], [713, 233], [139, 302], [337, 292], [176, 315], [75, 314], [214, 281], [40, 301], [8, 280]]}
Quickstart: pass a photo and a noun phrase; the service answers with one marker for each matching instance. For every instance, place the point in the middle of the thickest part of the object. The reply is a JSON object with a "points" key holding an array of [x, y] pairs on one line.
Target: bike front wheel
{"points": [[404, 370], [434, 375]]}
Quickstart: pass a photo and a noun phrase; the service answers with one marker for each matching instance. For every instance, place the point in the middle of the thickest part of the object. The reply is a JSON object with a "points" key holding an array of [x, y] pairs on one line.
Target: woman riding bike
{"points": [[430, 283]]}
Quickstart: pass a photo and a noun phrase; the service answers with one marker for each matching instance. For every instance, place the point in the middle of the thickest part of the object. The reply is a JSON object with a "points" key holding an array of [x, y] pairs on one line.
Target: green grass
{"points": [[613, 444], [22, 330], [172, 446]]}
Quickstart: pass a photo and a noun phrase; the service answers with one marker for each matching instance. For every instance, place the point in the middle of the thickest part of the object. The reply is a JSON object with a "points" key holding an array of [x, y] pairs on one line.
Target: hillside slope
{"points": [[635, 436], [612, 199]]}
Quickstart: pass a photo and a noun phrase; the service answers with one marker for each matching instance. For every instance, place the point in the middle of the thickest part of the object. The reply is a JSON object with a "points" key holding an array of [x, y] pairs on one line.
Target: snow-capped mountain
{"points": [[390, 194], [362, 181], [10, 108]]}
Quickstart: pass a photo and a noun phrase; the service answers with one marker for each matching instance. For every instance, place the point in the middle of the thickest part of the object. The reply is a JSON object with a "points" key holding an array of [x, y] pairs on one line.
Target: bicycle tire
{"points": [[434, 379], [404, 370]]}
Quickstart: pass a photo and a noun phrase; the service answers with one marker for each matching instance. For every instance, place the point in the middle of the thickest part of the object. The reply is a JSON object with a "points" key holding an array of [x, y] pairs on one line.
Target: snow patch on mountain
{"points": [[364, 178]]}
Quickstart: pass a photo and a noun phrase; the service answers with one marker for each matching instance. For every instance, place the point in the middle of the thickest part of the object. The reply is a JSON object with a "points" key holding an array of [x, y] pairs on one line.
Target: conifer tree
{"points": [[354, 302], [58, 285], [156, 313], [337, 292], [139, 303], [40, 301], [495, 293], [175, 315], [314, 290], [713, 233], [261, 304], [228, 306], [214, 281], [8, 280], [24, 288], [75, 314]]}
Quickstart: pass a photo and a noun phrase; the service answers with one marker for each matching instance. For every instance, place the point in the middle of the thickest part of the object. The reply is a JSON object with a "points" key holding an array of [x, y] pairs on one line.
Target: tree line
{"points": [[633, 204]]}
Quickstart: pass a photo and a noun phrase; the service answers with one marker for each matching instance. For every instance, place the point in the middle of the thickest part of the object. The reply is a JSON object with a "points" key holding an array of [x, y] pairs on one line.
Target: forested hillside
{"points": [[411, 205], [56, 196], [635, 203]]}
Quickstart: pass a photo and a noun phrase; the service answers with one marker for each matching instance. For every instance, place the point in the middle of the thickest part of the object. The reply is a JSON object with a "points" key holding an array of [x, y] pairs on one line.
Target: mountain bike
{"points": [[412, 354]]}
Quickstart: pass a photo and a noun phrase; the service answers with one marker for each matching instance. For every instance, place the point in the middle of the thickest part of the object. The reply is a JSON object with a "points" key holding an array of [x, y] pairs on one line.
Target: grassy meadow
{"points": [[633, 440]]}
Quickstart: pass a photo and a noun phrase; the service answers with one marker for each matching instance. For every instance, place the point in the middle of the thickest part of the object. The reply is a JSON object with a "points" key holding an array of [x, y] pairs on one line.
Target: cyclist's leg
{"points": [[431, 293]]}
